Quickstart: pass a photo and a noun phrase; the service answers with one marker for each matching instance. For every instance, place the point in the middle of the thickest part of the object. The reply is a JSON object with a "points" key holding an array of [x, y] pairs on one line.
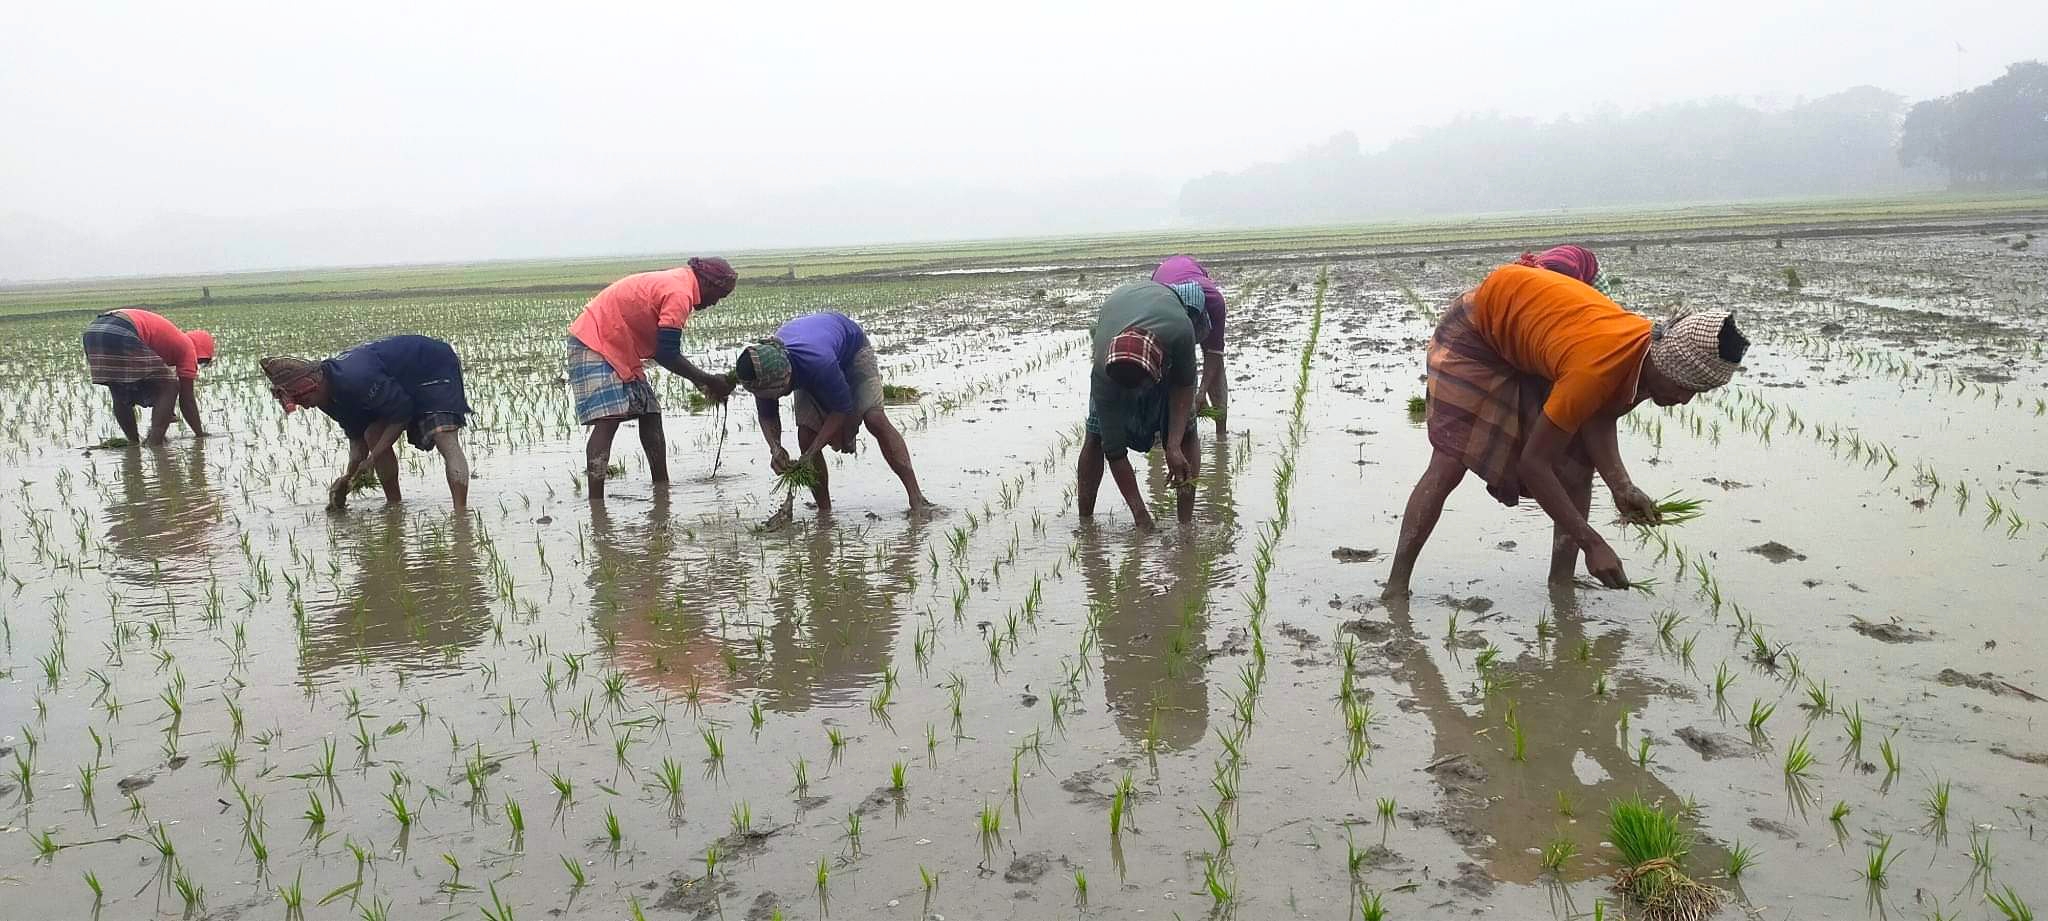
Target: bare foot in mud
{"points": [[1395, 591]]}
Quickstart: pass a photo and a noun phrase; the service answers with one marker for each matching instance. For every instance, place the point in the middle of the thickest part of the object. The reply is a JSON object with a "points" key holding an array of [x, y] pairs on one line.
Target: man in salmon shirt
{"points": [[1528, 375], [145, 360], [637, 318]]}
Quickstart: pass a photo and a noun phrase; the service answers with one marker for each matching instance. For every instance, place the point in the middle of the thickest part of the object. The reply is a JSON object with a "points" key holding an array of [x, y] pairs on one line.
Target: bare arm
{"points": [[188, 405], [1127, 483], [1603, 443], [1213, 392], [1537, 470], [1180, 405], [829, 431]]}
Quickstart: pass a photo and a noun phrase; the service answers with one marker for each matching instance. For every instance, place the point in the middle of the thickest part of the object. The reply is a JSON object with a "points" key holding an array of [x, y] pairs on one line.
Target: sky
{"points": [[151, 137]]}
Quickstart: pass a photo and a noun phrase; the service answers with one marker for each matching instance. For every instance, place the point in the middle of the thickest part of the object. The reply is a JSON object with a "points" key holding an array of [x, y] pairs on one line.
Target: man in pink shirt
{"points": [[1215, 389], [637, 318], [145, 360]]}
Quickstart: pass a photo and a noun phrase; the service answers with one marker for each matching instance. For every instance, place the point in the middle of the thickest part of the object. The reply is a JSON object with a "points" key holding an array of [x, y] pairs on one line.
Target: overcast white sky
{"points": [[299, 133]]}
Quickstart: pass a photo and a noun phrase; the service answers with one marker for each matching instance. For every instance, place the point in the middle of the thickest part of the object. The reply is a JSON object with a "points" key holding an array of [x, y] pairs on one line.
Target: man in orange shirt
{"points": [[145, 360], [637, 318], [1528, 374]]}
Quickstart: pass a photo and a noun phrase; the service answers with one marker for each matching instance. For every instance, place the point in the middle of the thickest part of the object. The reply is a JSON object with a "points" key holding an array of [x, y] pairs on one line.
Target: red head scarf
{"points": [[715, 276], [1575, 261]]}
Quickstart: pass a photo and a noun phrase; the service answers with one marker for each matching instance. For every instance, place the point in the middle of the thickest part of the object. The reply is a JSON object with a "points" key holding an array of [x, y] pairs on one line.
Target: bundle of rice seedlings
{"points": [[896, 393], [798, 476], [1676, 509], [1209, 412], [1418, 407], [365, 478], [1651, 844], [115, 442]]}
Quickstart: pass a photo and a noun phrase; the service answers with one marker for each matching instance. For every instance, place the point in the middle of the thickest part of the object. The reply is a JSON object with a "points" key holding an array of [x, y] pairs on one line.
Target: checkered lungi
{"points": [[600, 393], [1482, 409], [122, 362]]}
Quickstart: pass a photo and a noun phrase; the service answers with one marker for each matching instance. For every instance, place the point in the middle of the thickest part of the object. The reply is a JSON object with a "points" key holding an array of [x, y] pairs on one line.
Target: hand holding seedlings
{"points": [[1636, 506]]}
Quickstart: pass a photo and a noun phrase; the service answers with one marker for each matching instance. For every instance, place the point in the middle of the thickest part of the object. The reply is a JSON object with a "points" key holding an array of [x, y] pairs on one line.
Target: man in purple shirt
{"points": [[826, 361], [1214, 392]]}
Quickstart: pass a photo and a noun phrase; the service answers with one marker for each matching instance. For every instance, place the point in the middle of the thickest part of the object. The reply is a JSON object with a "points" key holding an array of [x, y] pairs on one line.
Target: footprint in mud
{"points": [[1890, 631], [1777, 552]]}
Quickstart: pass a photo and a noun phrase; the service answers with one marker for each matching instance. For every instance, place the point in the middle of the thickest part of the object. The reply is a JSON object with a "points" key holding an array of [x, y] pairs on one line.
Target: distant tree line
{"points": [[1859, 141], [1995, 134]]}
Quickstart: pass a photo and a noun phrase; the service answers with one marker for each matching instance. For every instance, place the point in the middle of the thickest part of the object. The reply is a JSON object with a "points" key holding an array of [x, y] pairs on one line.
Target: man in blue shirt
{"points": [[377, 391], [824, 359]]}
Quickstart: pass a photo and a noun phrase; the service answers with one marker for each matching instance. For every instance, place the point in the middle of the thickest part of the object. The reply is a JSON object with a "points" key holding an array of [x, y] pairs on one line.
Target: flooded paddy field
{"points": [[222, 701]]}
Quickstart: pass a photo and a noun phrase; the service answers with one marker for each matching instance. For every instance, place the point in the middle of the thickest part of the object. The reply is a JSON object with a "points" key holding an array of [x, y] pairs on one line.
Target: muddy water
{"points": [[460, 664]]}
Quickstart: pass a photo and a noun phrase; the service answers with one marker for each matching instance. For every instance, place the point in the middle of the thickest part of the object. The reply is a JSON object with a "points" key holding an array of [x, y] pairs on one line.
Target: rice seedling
{"points": [[1651, 845], [498, 910], [577, 876], [1759, 714], [1740, 857], [612, 832], [1418, 407], [1798, 759], [1980, 859], [1119, 807], [1818, 699], [853, 832], [802, 771], [1219, 883], [2010, 905], [1372, 906], [670, 777], [1675, 509], [99, 894], [1219, 826], [400, 810], [1935, 803], [191, 894], [1559, 850], [990, 823], [714, 747], [1877, 864], [1081, 888]]}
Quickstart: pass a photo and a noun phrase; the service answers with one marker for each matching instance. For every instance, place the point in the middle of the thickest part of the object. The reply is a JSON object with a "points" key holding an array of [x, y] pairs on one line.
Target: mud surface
{"points": [[190, 635]]}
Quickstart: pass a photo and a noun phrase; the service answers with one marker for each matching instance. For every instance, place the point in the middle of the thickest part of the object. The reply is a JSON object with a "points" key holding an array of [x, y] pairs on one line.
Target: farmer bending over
{"points": [[1528, 374], [1143, 388], [824, 359], [377, 391], [145, 360], [632, 320], [1215, 390]]}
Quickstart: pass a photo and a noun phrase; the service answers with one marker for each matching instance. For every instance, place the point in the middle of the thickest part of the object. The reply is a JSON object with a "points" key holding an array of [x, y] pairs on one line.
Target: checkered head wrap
{"points": [[768, 360], [1698, 350], [1137, 347]]}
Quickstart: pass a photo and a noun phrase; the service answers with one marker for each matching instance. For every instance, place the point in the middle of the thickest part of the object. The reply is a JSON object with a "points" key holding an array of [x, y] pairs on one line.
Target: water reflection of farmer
{"points": [[835, 614], [377, 391], [1573, 745], [662, 639], [420, 596], [1146, 595], [1142, 391], [1528, 375], [161, 521], [144, 359]]}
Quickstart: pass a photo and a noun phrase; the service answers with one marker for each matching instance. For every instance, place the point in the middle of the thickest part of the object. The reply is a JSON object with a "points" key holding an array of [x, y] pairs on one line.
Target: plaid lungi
{"points": [[1482, 409], [116, 354], [600, 393]]}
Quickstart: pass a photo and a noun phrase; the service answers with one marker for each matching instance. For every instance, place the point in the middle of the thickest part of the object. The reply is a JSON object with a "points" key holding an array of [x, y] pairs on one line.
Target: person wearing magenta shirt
{"points": [[825, 361], [1214, 393], [145, 360], [635, 319]]}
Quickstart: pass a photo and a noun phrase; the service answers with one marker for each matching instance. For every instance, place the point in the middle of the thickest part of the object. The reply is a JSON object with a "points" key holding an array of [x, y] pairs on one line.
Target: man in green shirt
{"points": [[1142, 389]]}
